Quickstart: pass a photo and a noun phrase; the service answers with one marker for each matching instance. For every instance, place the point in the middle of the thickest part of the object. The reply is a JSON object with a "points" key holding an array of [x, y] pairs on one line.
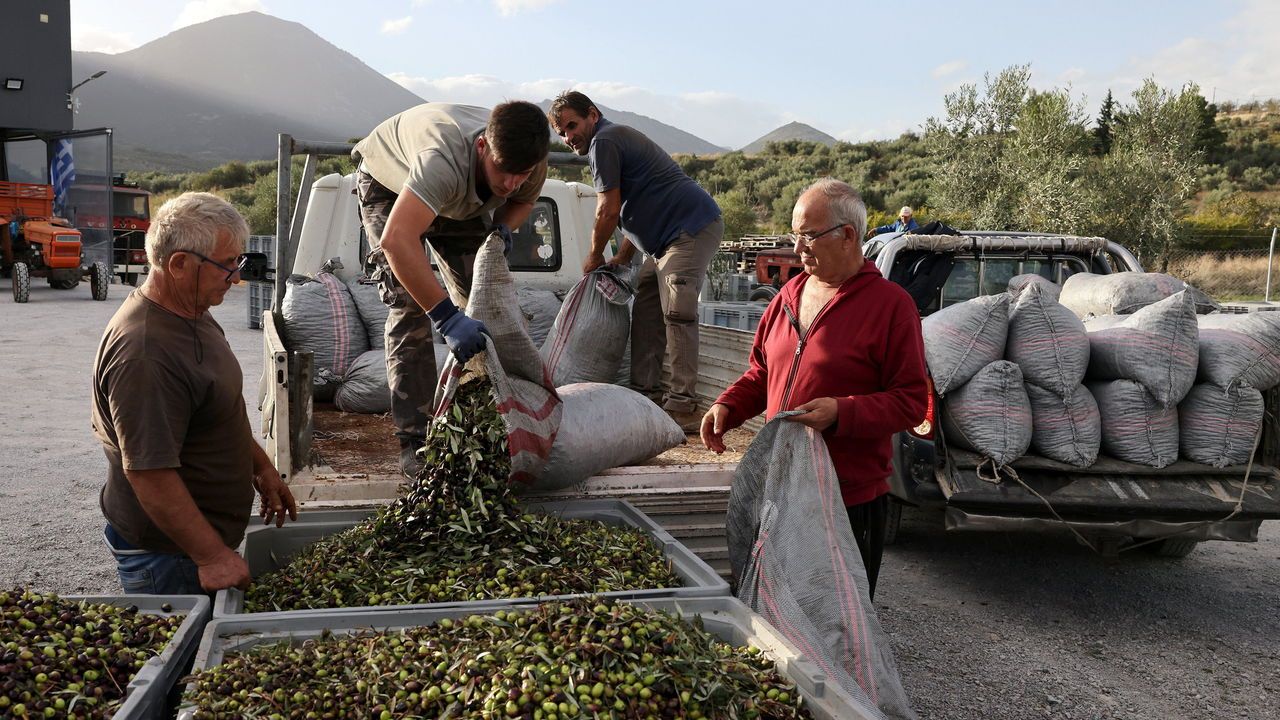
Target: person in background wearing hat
{"points": [[904, 223]]}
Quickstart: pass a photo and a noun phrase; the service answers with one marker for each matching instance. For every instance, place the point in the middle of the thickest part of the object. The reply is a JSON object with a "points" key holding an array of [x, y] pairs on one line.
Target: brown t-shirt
{"points": [[167, 394]]}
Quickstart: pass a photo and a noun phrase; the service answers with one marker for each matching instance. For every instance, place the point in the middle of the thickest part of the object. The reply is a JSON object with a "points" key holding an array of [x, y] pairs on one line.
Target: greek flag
{"points": [[63, 173]]}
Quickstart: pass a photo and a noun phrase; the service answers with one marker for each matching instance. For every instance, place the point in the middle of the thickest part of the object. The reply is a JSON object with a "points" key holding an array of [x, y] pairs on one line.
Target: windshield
{"points": [[128, 205]]}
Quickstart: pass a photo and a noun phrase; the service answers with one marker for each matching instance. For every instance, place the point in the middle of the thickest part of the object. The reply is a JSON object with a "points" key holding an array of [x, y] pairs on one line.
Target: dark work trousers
{"points": [[868, 523], [411, 362]]}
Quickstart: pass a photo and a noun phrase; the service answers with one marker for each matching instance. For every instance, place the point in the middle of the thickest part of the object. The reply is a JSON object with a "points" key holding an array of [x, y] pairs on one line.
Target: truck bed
{"points": [[1183, 491]]}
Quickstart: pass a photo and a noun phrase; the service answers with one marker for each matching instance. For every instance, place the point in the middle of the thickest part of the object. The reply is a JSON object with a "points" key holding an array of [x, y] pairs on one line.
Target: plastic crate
{"points": [[725, 617], [261, 295], [148, 692], [270, 548], [733, 315]]}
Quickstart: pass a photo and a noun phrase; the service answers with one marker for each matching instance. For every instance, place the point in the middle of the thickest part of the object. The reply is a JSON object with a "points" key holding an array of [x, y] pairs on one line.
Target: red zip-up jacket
{"points": [[865, 350]]}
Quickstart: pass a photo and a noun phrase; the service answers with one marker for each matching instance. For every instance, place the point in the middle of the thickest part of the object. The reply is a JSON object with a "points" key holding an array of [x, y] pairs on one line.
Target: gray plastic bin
{"points": [[148, 693], [270, 548], [725, 617]]}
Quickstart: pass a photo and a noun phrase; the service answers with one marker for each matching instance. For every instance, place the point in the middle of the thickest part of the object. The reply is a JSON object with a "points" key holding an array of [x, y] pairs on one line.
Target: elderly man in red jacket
{"points": [[842, 344]]}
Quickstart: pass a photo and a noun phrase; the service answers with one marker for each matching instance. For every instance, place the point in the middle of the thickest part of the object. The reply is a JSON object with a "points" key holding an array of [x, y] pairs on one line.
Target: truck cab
{"points": [[1111, 505]]}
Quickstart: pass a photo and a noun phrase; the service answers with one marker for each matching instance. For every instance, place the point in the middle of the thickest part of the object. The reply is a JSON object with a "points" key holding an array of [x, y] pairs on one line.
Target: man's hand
{"points": [[504, 232], [712, 430], [224, 570], [592, 262], [275, 498], [464, 335], [819, 413]]}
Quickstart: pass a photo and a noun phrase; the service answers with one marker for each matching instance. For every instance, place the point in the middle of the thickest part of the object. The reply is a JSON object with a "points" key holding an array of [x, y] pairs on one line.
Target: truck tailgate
{"points": [[1111, 489]]}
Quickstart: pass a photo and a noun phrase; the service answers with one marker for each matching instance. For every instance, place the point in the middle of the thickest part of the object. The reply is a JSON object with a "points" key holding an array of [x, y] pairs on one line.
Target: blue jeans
{"points": [[143, 572]]}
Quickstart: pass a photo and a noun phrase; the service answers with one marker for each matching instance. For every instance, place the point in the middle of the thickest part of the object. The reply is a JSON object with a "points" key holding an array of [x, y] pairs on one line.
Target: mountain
{"points": [[221, 90], [669, 138], [790, 131]]}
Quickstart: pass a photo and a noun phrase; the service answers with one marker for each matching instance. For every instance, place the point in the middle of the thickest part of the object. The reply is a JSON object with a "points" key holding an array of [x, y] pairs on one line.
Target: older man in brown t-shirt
{"points": [[167, 405]]}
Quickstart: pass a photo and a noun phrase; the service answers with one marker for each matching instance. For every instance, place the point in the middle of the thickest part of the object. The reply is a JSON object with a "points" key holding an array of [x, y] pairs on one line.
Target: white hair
{"points": [[844, 204], [193, 221], [906, 210]]}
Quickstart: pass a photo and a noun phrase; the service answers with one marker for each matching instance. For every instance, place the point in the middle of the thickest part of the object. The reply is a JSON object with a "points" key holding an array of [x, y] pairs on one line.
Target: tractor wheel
{"points": [[21, 282], [763, 293], [100, 276], [64, 279]]}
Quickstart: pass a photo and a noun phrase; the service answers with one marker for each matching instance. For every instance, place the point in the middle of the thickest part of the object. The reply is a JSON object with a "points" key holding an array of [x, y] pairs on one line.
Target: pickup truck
{"points": [[1111, 505]]}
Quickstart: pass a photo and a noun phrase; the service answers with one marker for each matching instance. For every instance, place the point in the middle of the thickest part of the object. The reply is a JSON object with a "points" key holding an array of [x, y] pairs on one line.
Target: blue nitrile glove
{"points": [[505, 233], [464, 335]]}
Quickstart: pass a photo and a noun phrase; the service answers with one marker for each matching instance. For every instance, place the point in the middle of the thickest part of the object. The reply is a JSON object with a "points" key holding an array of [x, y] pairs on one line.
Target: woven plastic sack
{"points": [[1240, 350], [370, 308], [990, 414], [522, 389], [364, 388], [1065, 428], [590, 333], [320, 317], [637, 431], [1124, 293], [962, 339], [539, 308], [1019, 282], [1220, 426], [1135, 427], [1047, 341], [1157, 346], [795, 561]]}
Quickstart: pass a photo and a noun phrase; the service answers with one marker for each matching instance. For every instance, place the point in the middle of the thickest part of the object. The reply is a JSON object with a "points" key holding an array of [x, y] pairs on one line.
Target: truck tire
{"points": [[763, 293], [892, 521], [100, 276], [1174, 547], [21, 282]]}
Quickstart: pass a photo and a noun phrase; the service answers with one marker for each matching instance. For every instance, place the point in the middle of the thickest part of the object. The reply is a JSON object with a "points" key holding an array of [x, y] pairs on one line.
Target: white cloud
{"points": [[198, 11], [93, 39], [395, 27], [1244, 69], [947, 69], [1071, 76], [717, 117], [511, 7]]}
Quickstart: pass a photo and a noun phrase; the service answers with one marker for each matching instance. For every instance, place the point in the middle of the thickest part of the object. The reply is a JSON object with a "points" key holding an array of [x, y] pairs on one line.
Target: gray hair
{"points": [[193, 221], [844, 203]]}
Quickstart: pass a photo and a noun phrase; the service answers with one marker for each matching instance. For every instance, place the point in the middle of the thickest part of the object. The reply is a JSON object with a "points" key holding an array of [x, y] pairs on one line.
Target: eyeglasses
{"points": [[806, 239], [241, 260]]}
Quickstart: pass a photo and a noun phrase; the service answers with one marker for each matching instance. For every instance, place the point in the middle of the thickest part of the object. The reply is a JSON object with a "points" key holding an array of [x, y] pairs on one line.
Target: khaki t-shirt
{"points": [[431, 150], [167, 394]]}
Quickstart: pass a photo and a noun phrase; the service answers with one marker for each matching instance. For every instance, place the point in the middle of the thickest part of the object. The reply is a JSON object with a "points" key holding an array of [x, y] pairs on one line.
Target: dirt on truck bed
{"points": [[352, 443]]}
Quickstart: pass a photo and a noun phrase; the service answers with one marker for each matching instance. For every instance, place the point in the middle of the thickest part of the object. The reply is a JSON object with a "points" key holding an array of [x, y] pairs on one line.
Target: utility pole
{"points": [[1271, 256]]}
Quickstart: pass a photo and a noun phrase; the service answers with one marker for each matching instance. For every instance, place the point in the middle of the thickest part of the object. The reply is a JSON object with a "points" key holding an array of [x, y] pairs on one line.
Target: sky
{"points": [[731, 71]]}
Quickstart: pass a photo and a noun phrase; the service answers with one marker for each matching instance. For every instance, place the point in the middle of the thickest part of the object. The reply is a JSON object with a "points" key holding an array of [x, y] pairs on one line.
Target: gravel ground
{"points": [[991, 625]]}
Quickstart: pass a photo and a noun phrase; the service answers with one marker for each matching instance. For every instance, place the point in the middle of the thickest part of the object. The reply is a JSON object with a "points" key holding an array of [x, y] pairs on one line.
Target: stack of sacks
{"points": [[1088, 295], [364, 387], [320, 317], [987, 410], [1239, 360], [1140, 367], [1050, 345]]}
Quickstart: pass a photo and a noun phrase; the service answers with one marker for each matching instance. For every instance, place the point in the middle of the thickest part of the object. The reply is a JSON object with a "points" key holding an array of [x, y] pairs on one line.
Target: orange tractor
{"points": [[36, 243]]}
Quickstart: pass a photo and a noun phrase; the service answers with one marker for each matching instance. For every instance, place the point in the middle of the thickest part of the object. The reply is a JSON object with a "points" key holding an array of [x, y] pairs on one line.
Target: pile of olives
{"points": [[458, 533], [580, 659], [61, 658]]}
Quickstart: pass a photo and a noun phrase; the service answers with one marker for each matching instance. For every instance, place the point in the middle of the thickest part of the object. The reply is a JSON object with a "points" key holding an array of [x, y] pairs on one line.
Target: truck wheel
{"points": [[764, 293], [21, 282], [892, 521], [1174, 547], [100, 276]]}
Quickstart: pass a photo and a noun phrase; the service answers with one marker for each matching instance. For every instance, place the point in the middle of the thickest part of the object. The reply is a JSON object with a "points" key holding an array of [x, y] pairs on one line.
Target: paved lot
{"points": [[984, 625]]}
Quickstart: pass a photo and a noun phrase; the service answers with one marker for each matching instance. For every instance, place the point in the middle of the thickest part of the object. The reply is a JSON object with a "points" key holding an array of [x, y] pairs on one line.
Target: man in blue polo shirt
{"points": [[676, 224]]}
